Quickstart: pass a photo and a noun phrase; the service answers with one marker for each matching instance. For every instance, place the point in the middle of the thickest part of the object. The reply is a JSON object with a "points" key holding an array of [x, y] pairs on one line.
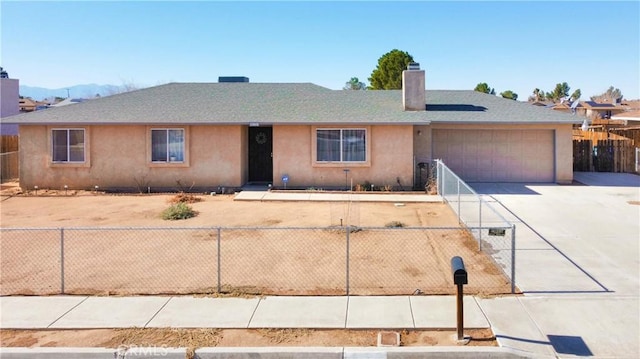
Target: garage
{"points": [[497, 155]]}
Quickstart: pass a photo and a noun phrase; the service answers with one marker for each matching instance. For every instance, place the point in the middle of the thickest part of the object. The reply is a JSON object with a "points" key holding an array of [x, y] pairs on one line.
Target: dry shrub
{"points": [[184, 198], [395, 224]]}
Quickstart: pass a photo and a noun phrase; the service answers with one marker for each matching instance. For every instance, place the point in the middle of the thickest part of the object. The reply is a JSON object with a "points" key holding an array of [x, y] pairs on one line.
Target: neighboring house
{"points": [[208, 135], [9, 95], [628, 119], [562, 107], [27, 105], [595, 110], [68, 101]]}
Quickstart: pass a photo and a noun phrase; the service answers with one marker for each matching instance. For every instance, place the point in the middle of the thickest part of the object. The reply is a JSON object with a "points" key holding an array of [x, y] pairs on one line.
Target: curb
{"points": [[269, 353]]}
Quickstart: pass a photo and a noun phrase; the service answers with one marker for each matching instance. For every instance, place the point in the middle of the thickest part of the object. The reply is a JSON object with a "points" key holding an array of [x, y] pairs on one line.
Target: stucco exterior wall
{"points": [[9, 104], [117, 157], [563, 143], [390, 152], [9, 88], [564, 154], [244, 154], [422, 143]]}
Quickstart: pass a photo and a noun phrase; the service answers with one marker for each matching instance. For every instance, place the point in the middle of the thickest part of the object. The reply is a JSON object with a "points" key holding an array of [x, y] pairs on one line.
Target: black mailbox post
{"points": [[459, 273], [459, 279]]}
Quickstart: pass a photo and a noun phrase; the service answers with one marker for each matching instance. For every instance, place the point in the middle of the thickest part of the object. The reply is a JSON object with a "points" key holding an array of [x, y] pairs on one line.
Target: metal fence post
{"points": [[61, 260], [480, 225], [459, 201], [348, 230], [513, 259], [439, 180], [219, 272]]}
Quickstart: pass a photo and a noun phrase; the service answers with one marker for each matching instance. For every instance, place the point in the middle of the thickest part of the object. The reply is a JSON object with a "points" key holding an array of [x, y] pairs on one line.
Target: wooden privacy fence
{"points": [[604, 156], [597, 135], [8, 144]]}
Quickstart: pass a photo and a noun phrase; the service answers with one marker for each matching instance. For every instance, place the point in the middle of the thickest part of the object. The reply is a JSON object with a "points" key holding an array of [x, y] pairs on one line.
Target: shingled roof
{"points": [[287, 103]]}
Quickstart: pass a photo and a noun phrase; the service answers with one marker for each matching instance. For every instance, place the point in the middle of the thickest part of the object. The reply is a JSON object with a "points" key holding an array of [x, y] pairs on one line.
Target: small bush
{"points": [[363, 187], [395, 224], [178, 211]]}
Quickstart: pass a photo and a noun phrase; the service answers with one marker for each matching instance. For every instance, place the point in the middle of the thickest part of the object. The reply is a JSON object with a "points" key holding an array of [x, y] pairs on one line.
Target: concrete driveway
{"points": [[578, 264]]}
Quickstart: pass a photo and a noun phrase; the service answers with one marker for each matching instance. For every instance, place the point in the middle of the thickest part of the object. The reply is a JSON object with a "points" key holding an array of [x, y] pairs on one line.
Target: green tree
{"points": [[388, 74], [576, 94], [483, 87], [354, 84], [509, 94], [561, 90]]}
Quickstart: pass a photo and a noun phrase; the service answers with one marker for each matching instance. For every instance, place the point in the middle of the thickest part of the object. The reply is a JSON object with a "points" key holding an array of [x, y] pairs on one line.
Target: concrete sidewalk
{"points": [[375, 312]]}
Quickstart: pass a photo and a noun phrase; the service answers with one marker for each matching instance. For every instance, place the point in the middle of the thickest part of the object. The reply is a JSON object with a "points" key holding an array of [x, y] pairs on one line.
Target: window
{"points": [[167, 145], [68, 145], [341, 145]]}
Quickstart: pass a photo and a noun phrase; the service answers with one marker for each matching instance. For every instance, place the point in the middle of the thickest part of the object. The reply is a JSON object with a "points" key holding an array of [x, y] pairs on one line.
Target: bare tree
{"points": [[127, 86]]}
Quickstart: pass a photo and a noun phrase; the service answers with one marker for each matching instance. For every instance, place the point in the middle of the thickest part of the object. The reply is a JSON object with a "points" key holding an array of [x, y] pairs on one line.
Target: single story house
{"points": [[212, 135], [597, 110], [628, 118]]}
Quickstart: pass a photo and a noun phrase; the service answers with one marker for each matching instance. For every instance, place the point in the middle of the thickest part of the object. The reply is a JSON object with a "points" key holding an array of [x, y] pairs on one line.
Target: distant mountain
{"points": [[76, 91]]}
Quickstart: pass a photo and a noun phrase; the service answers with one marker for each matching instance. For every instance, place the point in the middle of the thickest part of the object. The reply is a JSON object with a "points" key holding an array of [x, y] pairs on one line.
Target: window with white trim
{"points": [[341, 145], [68, 145], [167, 145]]}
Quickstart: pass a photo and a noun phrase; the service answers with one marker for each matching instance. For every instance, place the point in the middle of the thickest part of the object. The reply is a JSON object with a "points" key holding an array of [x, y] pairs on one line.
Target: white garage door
{"points": [[497, 155]]}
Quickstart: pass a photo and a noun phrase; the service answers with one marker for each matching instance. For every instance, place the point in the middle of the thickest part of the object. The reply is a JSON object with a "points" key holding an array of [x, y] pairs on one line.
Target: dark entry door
{"points": [[260, 154]]}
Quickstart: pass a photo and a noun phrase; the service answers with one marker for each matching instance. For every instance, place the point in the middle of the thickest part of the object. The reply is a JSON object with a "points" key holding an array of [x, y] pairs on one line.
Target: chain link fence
{"points": [[494, 235], [335, 260]]}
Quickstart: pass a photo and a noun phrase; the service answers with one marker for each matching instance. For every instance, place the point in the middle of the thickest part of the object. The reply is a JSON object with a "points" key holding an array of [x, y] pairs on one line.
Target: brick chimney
{"points": [[413, 88]]}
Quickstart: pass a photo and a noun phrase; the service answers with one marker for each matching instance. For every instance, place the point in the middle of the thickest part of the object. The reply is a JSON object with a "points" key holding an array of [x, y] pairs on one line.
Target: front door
{"points": [[260, 154]]}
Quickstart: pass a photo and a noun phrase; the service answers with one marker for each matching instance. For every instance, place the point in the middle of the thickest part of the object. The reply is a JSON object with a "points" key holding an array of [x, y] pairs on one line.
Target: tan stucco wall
{"points": [[217, 156], [422, 143], [564, 154], [563, 143], [390, 150], [244, 154], [118, 157]]}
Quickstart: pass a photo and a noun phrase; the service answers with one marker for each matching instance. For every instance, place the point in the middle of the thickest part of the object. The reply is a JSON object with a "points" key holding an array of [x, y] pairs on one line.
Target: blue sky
{"points": [[511, 45]]}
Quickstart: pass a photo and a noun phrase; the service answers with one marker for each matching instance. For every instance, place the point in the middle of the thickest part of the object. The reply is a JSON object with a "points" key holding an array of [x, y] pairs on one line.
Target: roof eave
{"points": [[507, 122]]}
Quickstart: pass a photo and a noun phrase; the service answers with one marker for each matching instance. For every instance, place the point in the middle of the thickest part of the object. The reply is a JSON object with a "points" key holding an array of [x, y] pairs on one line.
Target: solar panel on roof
{"points": [[595, 104]]}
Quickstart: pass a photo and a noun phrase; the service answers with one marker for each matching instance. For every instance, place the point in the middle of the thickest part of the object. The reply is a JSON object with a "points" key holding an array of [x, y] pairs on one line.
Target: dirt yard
{"points": [[195, 338], [297, 248], [87, 209], [181, 258]]}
